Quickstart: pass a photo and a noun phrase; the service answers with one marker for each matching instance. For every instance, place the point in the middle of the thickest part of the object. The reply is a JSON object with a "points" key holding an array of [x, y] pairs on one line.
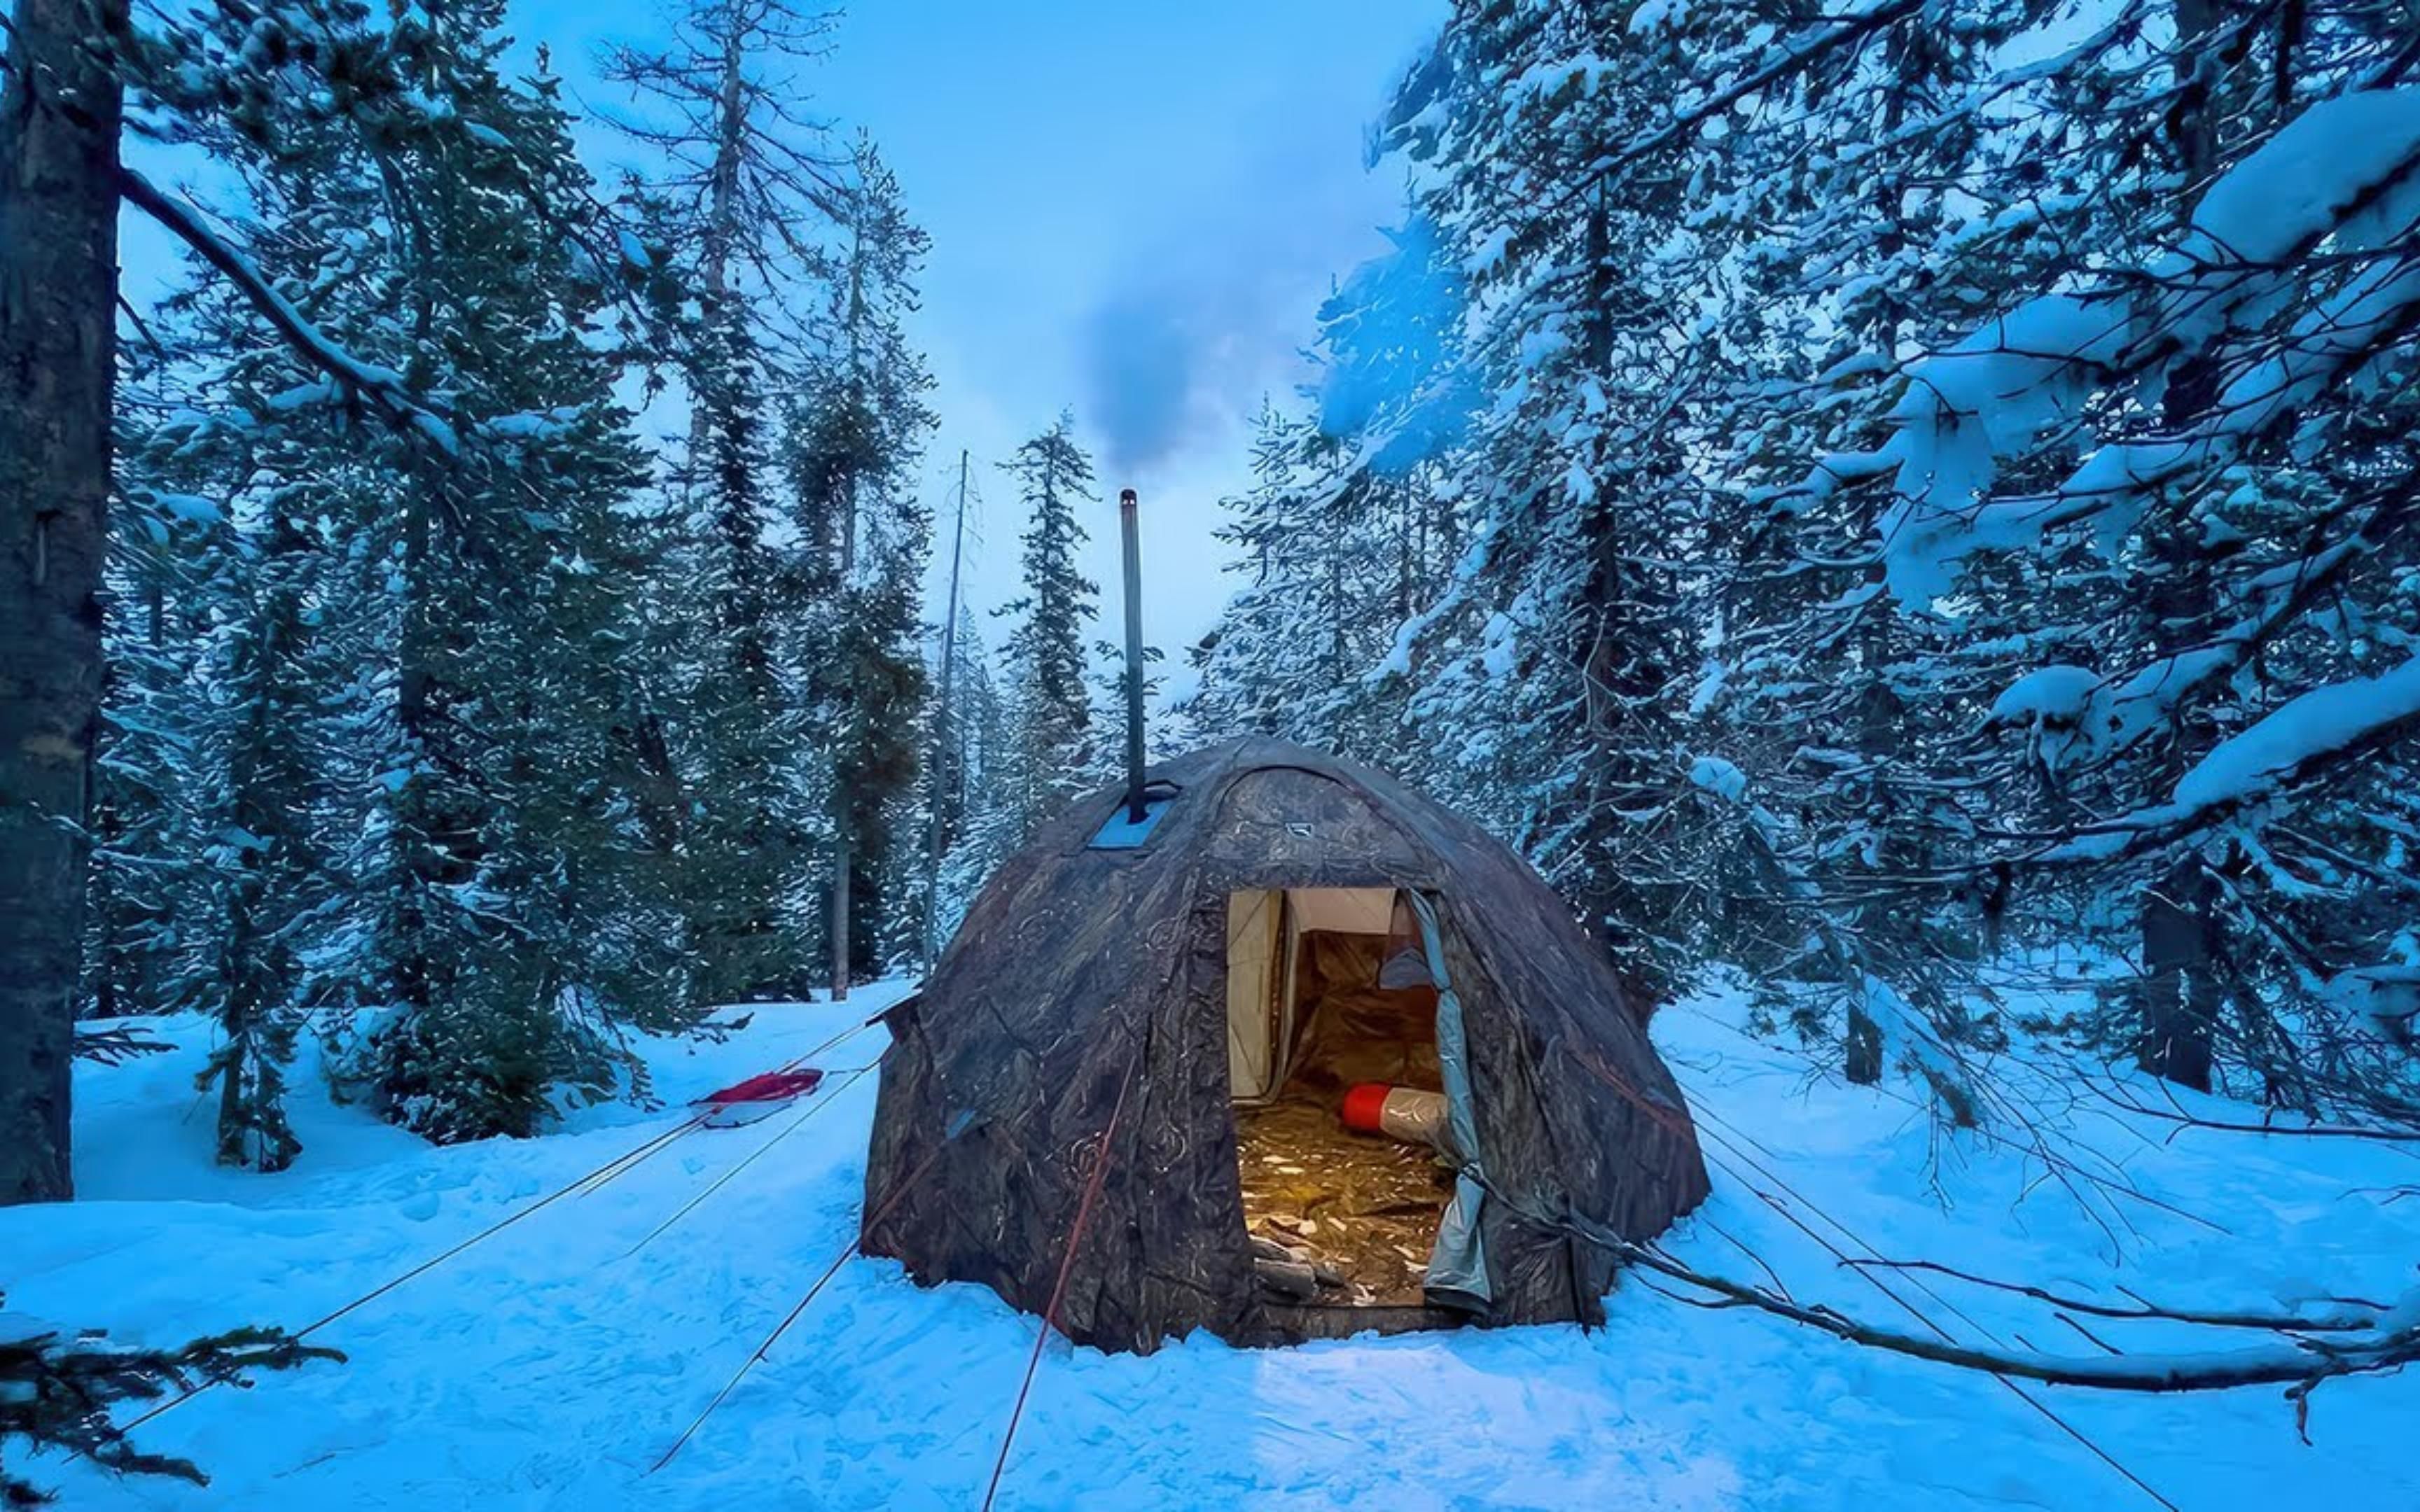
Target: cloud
{"points": [[1213, 310]]}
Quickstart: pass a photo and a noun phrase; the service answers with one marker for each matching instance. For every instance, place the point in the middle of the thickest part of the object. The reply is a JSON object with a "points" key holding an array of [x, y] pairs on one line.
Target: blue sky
{"points": [[1134, 209]]}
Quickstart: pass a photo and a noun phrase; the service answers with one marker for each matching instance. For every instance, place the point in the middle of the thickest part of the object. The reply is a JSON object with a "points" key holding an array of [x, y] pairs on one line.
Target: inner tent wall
{"points": [[1265, 934]]}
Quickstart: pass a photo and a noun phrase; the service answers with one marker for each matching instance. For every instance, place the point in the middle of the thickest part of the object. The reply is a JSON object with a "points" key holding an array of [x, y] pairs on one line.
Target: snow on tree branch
{"points": [[2320, 729], [382, 388], [2342, 172]]}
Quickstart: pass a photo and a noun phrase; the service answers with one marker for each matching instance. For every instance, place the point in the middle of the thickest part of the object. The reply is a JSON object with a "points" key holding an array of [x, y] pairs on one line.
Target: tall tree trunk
{"points": [[406, 946], [722, 230], [1880, 714], [1598, 624], [842, 859], [2179, 996], [946, 811], [59, 125]]}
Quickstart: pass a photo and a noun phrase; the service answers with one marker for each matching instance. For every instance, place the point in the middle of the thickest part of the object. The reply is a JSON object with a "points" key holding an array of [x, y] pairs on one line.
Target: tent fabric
{"points": [[1344, 910], [1253, 931], [1078, 965], [1458, 1263], [1350, 1027], [1267, 931]]}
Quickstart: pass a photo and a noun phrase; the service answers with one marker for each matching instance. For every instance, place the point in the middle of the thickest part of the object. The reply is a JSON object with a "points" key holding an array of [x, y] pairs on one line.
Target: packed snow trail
{"points": [[552, 1364]]}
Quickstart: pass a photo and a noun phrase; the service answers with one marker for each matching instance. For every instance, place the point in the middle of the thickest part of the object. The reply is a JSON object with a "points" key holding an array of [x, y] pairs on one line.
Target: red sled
{"points": [[757, 1097]]}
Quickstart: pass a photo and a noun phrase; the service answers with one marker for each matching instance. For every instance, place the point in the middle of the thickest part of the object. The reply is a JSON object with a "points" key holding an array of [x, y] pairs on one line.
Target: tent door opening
{"points": [[1329, 997]]}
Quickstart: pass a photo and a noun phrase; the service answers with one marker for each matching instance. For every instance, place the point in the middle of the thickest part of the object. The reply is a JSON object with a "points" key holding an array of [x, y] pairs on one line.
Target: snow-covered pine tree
{"points": [[745, 179], [1558, 647], [875, 689], [857, 435], [73, 69], [1297, 650], [465, 572], [746, 826], [746, 190], [1815, 213], [2033, 478], [505, 940], [140, 760], [1045, 654], [2103, 475], [221, 445], [977, 808], [1247, 680], [259, 759]]}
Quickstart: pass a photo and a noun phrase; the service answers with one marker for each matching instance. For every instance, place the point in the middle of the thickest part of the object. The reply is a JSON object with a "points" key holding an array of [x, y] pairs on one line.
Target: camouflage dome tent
{"points": [[1184, 983]]}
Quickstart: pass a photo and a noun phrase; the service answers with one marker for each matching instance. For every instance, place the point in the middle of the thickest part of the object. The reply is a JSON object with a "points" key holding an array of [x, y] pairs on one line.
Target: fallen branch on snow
{"points": [[2386, 1340], [57, 1392]]}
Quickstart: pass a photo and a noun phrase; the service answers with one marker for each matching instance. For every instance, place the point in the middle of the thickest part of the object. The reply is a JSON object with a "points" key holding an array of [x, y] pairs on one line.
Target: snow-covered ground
{"points": [[550, 1366]]}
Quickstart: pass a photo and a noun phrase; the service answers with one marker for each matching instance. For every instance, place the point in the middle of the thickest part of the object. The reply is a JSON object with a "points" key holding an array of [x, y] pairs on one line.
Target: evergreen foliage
{"points": [[744, 194], [57, 1393], [1046, 651], [858, 433], [447, 727], [1879, 517], [1856, 494]]}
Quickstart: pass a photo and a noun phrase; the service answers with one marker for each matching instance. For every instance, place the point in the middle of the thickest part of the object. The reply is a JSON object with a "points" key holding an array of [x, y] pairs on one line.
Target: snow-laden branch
{"points": [[2076, 718], [2342, 173], [1801, 52], [382, 388], [2321, 729]]}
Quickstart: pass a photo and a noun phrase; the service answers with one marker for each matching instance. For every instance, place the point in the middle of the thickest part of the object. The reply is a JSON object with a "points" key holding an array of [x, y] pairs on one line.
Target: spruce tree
{"points": [[1882, 508], [417, 696], [1577, 617], [229, 439], [746, 193], [978, 802], [858, 433], [1045, 653], [141, 766], [502, 832]]}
